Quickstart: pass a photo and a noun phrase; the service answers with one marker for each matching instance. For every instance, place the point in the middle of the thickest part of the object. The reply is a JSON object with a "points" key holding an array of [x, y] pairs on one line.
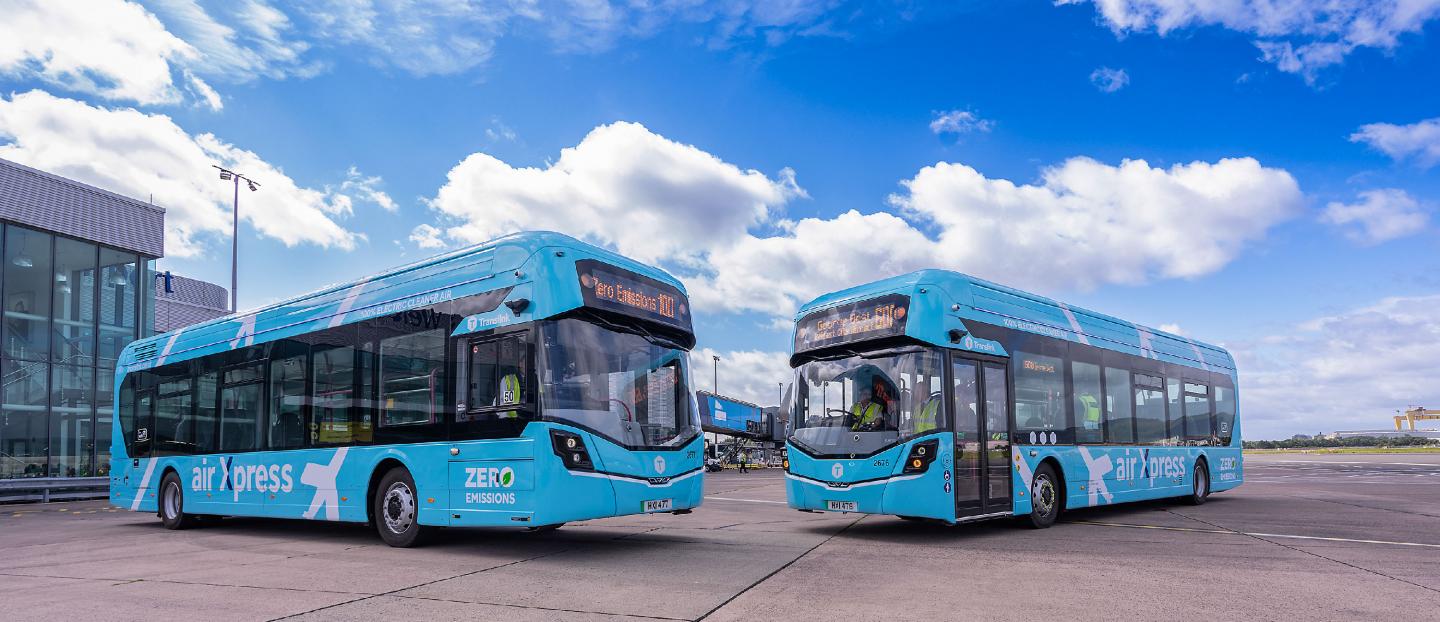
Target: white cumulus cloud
{"points": [[1109, 80], [1084, 223], [1298, 36], [622, 185], [959, 122], [109, 48], [1350, 371], [749, 375], [1380, 215], [1419, 141], [140, 155]]}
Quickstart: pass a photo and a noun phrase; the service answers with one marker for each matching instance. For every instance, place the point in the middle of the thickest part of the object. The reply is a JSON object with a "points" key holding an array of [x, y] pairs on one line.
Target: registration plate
{"points": [[659, 505], [840, 506]]}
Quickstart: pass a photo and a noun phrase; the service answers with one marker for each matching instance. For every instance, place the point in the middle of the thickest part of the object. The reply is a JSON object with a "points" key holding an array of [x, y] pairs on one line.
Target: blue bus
{"points": [[935, 395], [528, 381]]}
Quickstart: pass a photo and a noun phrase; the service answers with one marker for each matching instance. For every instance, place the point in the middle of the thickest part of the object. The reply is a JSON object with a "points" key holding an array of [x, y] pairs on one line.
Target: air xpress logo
{"points": [[239, 478], [490, 477], [1146, 466]]}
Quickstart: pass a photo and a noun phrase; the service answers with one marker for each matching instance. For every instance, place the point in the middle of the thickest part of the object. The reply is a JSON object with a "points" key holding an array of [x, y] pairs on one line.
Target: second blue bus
{"points": [[935, 395]]}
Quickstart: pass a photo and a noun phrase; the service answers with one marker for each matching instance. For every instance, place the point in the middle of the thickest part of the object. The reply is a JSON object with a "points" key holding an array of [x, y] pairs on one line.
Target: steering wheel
{"points": [[840, 414]]}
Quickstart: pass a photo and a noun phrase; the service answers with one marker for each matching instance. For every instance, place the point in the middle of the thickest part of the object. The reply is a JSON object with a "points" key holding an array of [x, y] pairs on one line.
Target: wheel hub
{"points": [[399, 507]]}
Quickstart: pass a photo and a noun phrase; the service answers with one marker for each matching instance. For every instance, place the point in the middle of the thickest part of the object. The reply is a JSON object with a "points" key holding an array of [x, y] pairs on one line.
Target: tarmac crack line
{"points": [[1365, 507], [778, 570], [1311, 553]]}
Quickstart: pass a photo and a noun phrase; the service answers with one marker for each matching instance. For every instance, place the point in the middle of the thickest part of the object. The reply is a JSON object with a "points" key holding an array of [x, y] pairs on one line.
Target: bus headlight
{"points": [[571, 450], [921, 455]]}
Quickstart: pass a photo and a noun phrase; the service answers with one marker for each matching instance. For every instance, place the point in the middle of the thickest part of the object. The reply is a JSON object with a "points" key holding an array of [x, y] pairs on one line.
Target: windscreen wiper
{"points": [[634, 329]]}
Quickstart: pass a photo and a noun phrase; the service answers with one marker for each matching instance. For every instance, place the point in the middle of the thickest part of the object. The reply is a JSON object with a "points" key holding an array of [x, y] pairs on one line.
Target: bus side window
{"points": [[1224, 413], [1119, 406], [412, 378], [497, 375], [1039, 392], [287, 402]]}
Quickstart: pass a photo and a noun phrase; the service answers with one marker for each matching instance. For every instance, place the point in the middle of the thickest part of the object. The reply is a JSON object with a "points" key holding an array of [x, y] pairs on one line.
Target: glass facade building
{"points": [[76, 286]]}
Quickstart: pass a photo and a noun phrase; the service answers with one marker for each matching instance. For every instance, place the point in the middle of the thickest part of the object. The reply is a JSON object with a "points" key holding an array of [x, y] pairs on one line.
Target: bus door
{"points": [[982, 433]]}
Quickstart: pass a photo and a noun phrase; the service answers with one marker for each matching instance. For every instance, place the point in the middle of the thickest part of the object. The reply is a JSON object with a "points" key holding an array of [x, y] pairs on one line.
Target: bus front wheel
{"points": [[1046, 502], [1200, 485], [397, 510], [172, 504]]}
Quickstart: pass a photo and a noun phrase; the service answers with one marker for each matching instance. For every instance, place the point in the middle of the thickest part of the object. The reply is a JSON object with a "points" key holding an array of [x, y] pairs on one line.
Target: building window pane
{"points": [[1119, 421], [287, 402], [74, 306], [27, 294], [120, 285], [1085, 378], [147, 299], [72, 414], [412, 372], [104, 419], [1039, 392]]}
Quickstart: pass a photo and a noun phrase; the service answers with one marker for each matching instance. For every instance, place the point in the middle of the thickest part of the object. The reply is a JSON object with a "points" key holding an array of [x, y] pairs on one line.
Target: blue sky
{"points": [[1283, 208]]}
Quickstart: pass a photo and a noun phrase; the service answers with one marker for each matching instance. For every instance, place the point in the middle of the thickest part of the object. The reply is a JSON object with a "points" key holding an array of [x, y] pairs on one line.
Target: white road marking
{"points": [[746, 500], [1265, 462], [1258, 534]]}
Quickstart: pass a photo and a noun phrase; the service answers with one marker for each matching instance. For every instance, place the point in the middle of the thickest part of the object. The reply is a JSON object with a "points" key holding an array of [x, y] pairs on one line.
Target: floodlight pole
{"points": [[235, 178]]}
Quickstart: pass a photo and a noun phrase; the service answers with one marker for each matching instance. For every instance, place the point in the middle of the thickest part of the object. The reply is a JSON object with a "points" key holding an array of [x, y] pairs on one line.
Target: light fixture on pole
{"points": [[716, 382], [234, 177]]}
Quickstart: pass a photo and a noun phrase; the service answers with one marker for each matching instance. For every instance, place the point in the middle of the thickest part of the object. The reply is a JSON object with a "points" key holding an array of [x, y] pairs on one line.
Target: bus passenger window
{"points": [[287, 402], [1197, 413], [1149, 409], [334, 395], [174, 422], [1224, 414], [412, 378], [206, 418], [1119, 417], [1085, 378], [1039, 392], [1176, 434]]}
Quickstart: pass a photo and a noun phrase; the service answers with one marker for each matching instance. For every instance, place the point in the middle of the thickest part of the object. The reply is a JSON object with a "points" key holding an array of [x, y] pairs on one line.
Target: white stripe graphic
{"points": [[168, 345], [636, 481], [345, 305], [1074, 324], [860, 485], [144, 483]]}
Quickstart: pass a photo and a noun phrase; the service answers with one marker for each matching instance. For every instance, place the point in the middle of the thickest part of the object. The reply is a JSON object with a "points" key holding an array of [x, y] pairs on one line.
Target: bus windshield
{"points": [[862, 403], [626, 387]]}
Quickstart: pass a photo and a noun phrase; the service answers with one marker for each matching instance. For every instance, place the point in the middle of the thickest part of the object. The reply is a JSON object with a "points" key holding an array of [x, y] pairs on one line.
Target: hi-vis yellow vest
{"points": [[865, 417], [509, 394], [925, 417], [1092, 410]]}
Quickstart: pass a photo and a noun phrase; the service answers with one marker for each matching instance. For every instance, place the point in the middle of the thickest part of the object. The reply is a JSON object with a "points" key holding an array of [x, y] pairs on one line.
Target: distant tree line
{"points": [[1353, 441]]}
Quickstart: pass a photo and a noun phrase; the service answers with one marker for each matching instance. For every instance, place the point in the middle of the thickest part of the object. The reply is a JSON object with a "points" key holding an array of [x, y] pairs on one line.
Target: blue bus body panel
{"points": [[877, 484], [468, 489], [515, 482], [941, 301]]}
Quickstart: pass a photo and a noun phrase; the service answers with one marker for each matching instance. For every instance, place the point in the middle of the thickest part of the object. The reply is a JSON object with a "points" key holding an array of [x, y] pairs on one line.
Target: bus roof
{"points": [[483, 267], [992, 303]]}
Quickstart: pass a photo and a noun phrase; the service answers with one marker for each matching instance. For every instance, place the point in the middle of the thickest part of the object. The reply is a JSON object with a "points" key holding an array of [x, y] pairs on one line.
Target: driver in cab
{"points": [[869, 414]]}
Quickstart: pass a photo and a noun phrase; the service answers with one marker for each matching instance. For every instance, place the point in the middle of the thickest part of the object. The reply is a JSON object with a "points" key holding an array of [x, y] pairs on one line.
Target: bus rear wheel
{"points": [[397, 510], [1046, 502], [172, 504], [1200, 485]]}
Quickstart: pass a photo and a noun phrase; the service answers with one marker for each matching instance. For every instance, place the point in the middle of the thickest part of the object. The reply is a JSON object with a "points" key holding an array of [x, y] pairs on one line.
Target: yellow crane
{"points": [[1413, 415]]}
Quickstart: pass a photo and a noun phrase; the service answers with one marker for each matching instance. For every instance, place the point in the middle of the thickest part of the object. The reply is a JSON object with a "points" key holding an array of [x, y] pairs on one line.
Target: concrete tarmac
{"points": [[1308, 537]]}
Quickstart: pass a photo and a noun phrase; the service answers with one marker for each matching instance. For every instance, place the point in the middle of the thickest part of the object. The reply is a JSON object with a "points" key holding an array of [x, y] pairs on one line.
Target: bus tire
{"points": [[172, 503], [1200, 484], [1046, 498], [397, 510]]}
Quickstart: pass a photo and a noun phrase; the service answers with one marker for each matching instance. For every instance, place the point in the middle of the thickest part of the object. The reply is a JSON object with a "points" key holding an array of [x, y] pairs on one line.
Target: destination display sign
{"points": [[614, 289], [867, 319]]}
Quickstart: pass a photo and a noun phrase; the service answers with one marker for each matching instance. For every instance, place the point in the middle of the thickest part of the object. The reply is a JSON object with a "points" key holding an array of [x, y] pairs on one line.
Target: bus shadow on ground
{"points": [[893, 529]]}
